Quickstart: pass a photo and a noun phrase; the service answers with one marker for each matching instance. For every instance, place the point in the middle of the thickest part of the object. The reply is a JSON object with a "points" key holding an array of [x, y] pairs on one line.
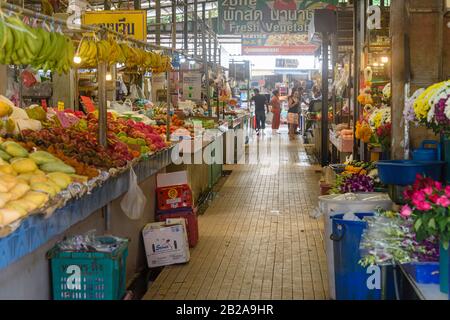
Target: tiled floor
{"points": [[257, 240]]}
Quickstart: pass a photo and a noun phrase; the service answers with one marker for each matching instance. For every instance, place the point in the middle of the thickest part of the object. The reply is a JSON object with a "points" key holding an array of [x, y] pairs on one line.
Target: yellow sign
{"points": [[61, 106], [132, 23]]}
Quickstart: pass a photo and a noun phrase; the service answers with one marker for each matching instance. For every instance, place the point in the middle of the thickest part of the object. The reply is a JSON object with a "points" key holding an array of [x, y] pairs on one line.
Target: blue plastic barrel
{"points": [[353, 282]]}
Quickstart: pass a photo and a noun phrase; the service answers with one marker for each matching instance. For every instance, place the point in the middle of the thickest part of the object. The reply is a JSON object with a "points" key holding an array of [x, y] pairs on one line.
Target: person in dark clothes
{"points": [[261, 107]]}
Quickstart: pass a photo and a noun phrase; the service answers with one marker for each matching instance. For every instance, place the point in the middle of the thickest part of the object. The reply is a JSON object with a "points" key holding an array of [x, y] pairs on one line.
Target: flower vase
{"points": [[443, 268]]}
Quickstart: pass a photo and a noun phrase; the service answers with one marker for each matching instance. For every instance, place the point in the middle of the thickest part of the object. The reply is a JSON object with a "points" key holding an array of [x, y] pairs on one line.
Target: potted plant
{"points": [[428, 203]]}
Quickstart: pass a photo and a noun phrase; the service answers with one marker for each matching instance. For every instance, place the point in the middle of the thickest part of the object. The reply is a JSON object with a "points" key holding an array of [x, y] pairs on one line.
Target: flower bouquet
{"points": [[353, 183], [427, 203], [390, 237], [432, 108]]}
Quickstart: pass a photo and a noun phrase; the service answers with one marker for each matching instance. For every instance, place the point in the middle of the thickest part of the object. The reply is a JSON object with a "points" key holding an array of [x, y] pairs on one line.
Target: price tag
{"points": [[60, 106], [89, 105]]}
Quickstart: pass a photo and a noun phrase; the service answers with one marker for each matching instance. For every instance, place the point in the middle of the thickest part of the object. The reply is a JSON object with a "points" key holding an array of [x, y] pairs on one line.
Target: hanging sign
{"points": [[268, 16], [192, 86], [277, 44], [132, 23]]}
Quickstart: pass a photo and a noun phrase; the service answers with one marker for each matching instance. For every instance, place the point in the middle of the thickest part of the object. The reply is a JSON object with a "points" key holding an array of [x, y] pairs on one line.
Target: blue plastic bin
{"points": [[424, 272], [89, 275], [351, 278], [428, 154], [404, 172]]}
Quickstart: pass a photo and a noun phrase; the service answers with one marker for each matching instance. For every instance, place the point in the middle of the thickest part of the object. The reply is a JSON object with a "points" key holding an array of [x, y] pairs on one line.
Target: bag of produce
{"points": [[133, 203]]}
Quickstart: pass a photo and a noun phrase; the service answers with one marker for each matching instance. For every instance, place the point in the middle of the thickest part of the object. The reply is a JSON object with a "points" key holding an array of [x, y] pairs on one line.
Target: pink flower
{"points": [[443, 201], [438, 185], [418, 196], [447, 191], [406, 211], [422, 206], [434, 198], [428, 190]]}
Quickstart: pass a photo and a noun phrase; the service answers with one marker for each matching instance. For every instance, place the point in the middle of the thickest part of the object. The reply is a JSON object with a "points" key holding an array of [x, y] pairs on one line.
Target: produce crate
{"points": [[174, 197], [89, 275]]}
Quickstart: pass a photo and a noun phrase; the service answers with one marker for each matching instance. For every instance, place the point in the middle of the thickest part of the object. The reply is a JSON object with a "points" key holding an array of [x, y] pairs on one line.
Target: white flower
{"points": [[430, 117]]}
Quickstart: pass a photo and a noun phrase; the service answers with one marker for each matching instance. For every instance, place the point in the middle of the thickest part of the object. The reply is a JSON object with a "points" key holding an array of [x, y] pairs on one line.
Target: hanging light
{"points": [[384, 59], [108, 76], [77, 59]]}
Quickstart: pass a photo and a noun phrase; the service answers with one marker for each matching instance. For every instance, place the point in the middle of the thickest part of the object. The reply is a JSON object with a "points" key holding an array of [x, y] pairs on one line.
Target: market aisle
{"points": [[257, 240]]}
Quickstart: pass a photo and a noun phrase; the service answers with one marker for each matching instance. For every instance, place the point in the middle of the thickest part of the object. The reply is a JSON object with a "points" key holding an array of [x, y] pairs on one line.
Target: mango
{"points": [[54, 185], [39, 172], [26, 176], [57, 166], [24, 166], [5, 109], [78, 178], [61, 179], [4, 198], [21, 205], [38, 179], [7, 216], [7, 182], [42, 157], [14, 149], [44, 187], [8, 169], [19, 190], [38, 198], [4, 155]]}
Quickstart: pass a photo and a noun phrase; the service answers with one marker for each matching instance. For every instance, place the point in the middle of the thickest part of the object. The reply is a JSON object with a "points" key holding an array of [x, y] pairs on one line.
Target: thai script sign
{"points": [[277, 44], [132, 23], [271, 16]]}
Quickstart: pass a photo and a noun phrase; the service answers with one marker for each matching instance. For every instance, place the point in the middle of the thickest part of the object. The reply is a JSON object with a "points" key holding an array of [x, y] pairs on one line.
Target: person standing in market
{"points": [[261, 107], [293, 112], [275, 103]]}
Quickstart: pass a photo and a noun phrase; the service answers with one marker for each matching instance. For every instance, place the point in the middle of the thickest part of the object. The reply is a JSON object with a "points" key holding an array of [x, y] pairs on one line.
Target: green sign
{"points": [[271, 16]]}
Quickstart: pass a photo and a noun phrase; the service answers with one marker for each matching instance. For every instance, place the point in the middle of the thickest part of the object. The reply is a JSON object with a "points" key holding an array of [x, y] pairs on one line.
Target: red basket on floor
{"points": [[174, 197], [191, 223]]}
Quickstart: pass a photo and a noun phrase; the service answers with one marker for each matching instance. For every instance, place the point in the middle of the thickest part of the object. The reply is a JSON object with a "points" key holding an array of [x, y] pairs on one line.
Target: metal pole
{"points": [[325, 133], [107, 5], [137, 4], [102, 112], [158, 22], [356, 68], [195, 31], [205, 59], [186, 26]]}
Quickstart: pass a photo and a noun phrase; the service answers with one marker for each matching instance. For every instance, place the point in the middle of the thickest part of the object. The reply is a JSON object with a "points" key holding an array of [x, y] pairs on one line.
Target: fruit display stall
{"points": [[64, 171]]}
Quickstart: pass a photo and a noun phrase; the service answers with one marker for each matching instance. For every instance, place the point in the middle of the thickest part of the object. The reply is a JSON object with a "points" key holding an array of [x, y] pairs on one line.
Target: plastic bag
{"points": [[133, 203], [134, 95]]}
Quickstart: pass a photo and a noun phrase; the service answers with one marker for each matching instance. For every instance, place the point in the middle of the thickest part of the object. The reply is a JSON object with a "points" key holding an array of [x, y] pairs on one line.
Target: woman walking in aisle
{"points": [[275, 103], [293, 112]]}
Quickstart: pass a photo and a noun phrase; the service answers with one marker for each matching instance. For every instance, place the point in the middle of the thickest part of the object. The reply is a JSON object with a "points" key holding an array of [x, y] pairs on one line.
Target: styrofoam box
{"points": [[171, 179], [166, 243]]}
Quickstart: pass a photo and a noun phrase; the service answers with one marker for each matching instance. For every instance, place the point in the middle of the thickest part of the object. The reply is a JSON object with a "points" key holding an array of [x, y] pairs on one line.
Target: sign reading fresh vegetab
{"points": [[132, 23], [271, 16]]}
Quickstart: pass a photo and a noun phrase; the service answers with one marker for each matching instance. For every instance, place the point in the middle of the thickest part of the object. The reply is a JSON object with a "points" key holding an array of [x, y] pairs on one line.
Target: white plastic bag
{"points": [[133, 92], [133, 203]]}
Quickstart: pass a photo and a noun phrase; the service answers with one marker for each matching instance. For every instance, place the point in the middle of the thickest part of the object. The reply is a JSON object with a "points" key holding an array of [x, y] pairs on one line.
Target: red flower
{"points": [[443, 202]]}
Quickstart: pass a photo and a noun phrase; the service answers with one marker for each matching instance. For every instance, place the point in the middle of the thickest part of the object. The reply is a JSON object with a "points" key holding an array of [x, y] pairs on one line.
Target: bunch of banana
{"points": [[88, 53], [163, 64], [103, 51], [23, 45]]}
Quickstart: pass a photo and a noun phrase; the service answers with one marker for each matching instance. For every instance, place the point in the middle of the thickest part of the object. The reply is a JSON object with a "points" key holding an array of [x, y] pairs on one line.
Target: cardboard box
{"points": [[166, 243]]}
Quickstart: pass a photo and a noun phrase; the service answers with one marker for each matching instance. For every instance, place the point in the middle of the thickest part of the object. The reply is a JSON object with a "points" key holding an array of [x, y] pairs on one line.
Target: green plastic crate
{"points": [[89, 275]]}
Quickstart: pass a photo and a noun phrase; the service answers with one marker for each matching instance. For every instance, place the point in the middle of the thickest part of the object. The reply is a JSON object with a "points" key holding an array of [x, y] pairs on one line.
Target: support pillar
{"points": [[398, 36]]}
